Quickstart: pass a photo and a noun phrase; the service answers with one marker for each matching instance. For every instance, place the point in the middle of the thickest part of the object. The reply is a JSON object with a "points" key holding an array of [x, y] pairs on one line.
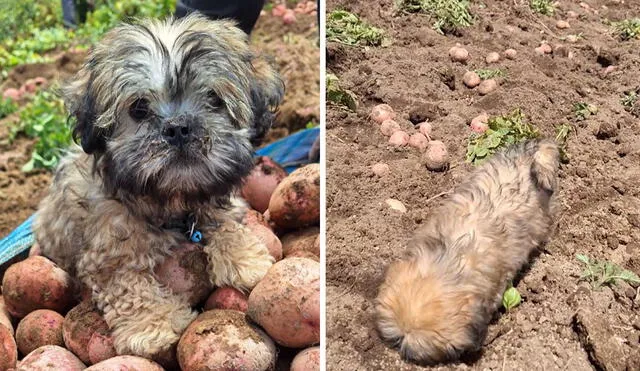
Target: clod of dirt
{"points": [[562, 24], [562, 51], [425, 112], [572, 15], [487, 86], [396, 205], [471, 79], [544, 49], [607, 130], [510, 53], [380, 169], [448, 78], [492, 57], [596, 336]]}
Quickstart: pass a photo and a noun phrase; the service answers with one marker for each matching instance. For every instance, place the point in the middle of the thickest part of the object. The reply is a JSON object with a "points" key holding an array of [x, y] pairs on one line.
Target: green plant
{"points": [[627, 29], [562, 134], [347, 28], [338, 95], [600, 273], [449, 15], [489, 73], [503, 131], [629, 99], [45, 119], [7, 107], [511, 298], [583, 110], [545, 7]]}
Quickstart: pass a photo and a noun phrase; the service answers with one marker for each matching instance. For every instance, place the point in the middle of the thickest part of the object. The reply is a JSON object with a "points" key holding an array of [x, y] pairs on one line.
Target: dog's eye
{"points": [[139, 110], [214, 99]]}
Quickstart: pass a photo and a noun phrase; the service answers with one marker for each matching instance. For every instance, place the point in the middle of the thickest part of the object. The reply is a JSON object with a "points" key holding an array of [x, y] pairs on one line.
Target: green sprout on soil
{"points": [[7, 107], [629, 99], [338, 95], [45, 119], [583, 110], [600, 273], [544, 7], [627, 29], [562, 134], [489, 73], [449, 15], [511, 298], [502, 132], [347, 28]]}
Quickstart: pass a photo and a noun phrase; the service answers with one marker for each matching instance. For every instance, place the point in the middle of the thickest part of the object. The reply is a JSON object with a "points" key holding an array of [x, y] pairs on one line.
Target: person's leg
{"points": [[246, 12], [69, 17]]}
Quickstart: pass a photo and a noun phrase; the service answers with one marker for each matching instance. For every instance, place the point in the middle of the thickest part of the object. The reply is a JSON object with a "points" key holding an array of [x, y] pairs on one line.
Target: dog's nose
{"points": [[177, 135]]}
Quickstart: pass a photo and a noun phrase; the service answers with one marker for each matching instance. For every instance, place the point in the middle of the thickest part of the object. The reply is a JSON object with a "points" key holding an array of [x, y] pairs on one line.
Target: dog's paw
{"points": [[253, 269], [152, 336]]}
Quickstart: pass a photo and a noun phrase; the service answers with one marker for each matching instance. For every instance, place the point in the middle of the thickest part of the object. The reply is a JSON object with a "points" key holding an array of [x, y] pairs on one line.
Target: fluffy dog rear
{"points": [[436, 303]]}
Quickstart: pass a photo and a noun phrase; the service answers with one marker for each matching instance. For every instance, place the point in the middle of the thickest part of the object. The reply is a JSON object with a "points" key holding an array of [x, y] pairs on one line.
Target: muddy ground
{"points": [[296, 53], [562, 323]]}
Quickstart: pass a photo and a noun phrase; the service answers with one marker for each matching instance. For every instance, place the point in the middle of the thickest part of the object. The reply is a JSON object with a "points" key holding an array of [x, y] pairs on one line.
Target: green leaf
{"points": [[511, 298], [583, 258]]}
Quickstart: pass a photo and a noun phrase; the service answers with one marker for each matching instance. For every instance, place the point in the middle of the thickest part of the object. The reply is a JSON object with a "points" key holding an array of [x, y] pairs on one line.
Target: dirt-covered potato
{"points": [[260, 184], [36, 283], [8, 349], [296, 201], [51, 357], [286, 303], [39, 328], [269, 238], [227, 298], [301, 240], [87, 335], [254, 217], [225, 340], [185, 272], [303, 254], [307, 360], [5, 317], [126, 363]]}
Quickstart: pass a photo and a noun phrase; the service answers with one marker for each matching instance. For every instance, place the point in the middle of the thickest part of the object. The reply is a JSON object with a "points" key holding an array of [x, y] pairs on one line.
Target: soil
{"points": [[562, 322], [294, 48]]}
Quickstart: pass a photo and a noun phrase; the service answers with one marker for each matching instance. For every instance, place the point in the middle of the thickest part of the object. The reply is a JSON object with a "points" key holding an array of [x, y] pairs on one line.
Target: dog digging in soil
{"points": [[436, 303], [167, 113]]}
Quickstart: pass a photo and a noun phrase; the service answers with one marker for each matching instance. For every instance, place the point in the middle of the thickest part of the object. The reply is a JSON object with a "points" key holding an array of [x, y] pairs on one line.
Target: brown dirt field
{"points": [[296, 54], [562, 323]]}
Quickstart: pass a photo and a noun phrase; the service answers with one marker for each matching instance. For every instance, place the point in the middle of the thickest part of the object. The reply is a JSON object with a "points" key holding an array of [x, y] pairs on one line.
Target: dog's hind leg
{"points": [[236, 257]]}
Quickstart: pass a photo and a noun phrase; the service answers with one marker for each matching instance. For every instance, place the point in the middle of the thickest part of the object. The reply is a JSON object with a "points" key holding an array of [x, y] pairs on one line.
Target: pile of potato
{"points": [[46, 323]]}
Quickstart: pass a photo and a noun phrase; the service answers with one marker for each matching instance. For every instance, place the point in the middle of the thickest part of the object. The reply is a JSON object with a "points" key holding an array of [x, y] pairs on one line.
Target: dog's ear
{"points": [[80, 100], [267, 92]]}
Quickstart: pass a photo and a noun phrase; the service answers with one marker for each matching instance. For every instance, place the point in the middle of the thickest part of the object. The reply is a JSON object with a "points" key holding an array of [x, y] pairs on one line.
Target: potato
{"points": [[510, 53], [269, 238], [254, 217], [8, 349], [479, 123], [286, 303], [5, 317], [296, 201], [560, 24], [301, 240], [260, 184], [492, 57], [278, 10], [84, 330], [487, 86], [11, 93], [39, 328], [381, 113], [388, 127], [289, 17], [307, 360], [227, 298], [225, 340], [125, 363], [425, 129], [185, 272], [51, 357], [458, 54], [36, 283], [303, 254], [419, 141], [399, 139], [380, 169], [436, 157], [471, 79]]}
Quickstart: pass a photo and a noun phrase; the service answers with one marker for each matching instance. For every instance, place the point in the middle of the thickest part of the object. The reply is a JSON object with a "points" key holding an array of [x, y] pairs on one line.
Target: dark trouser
{"points": [[246, 12]]}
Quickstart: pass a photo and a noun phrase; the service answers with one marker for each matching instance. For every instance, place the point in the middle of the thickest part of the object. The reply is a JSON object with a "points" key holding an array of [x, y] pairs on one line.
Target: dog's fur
{"points": [[105, 218], [436, 303]]}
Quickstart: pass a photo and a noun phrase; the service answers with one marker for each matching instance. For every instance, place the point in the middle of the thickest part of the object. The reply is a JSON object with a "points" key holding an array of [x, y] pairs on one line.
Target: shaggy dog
{"points": [[167, 113], [437, 301]]}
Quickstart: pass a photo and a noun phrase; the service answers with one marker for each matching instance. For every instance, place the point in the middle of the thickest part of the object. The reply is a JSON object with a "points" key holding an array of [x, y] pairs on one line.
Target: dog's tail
{"points": [[546, 160], [428, 318]]}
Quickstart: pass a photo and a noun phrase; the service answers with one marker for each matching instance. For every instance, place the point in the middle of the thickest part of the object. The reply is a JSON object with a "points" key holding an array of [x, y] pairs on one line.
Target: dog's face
{"points": [[174, 107]]}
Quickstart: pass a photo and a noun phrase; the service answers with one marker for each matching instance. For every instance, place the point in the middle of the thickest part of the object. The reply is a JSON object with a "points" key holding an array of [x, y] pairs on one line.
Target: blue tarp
{"points": [[290, 152]]}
